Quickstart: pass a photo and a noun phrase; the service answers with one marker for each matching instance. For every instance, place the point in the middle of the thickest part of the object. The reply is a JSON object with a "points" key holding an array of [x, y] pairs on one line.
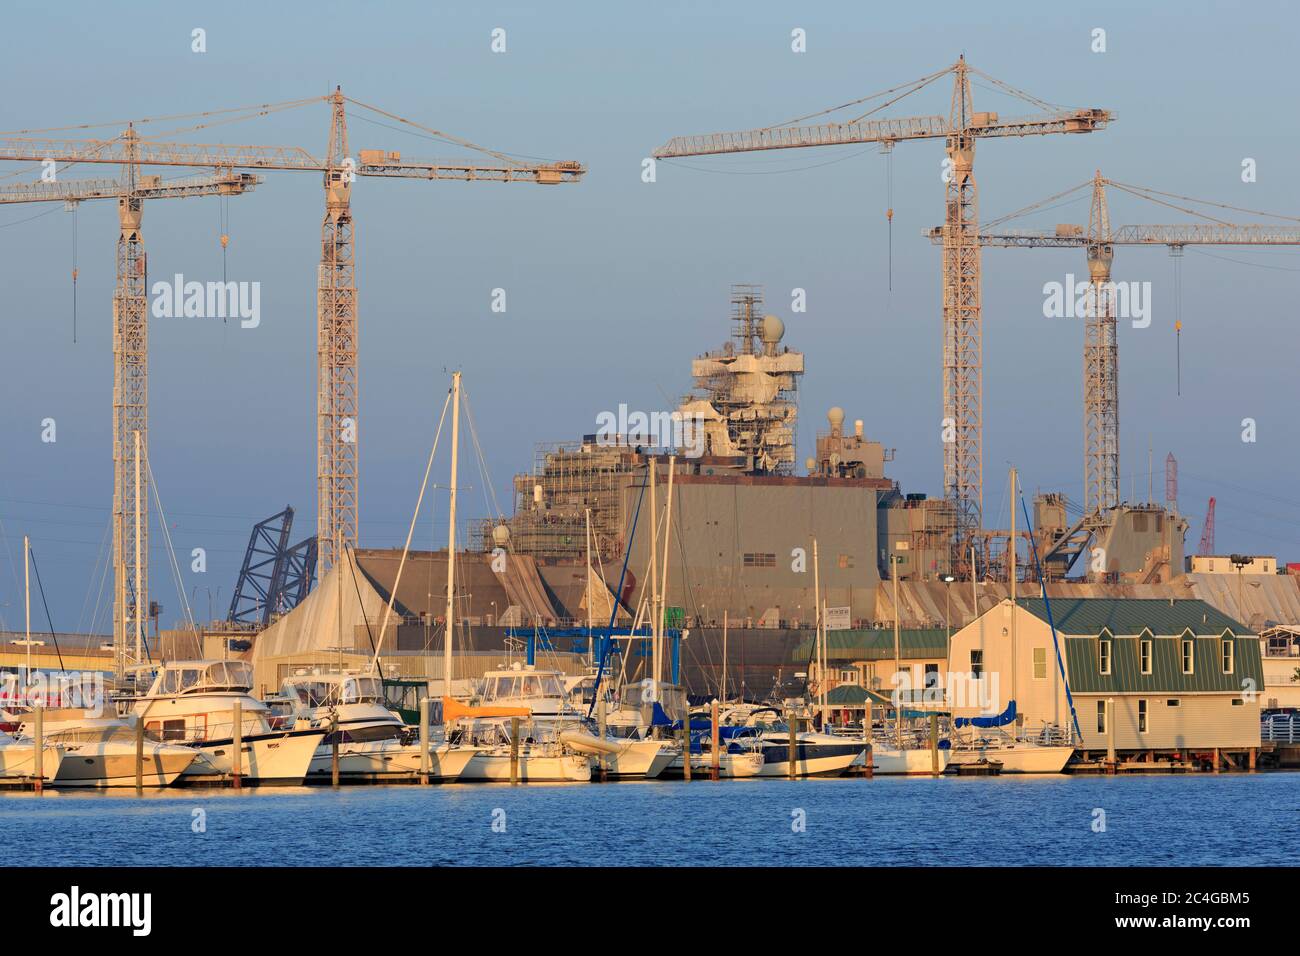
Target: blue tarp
{"points": [[999, 720], [659, 718]]}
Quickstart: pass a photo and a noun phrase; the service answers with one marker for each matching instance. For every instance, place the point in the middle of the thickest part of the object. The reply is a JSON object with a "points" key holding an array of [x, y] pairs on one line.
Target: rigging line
{"points": [[163, 136], [1244, 262], [85, 601], [171, 550], [765, 172], [435, 132], [410, 532], [49, 620], [1145, 192], [1014, 91], [918, 83], [488, 489], [19, 222], [165, 118], [1036, 206], [364, 616], [75, 208]]}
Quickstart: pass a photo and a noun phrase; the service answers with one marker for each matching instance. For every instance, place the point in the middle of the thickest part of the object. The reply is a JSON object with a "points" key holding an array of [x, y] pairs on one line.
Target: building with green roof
{"points": [[1145, 675]]}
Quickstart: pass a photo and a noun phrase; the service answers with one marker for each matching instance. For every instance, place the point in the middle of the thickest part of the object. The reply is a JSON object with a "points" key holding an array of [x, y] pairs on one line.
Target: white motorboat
{"points": [[816, 754], [192, 703], [887, 758], [18, 759], [100, 751], [373, 742]]}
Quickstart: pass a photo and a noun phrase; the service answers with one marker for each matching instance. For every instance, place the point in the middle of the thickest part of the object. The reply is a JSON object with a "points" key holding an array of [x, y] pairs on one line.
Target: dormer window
{"points": [[1188, 655], [1144, 655], [1103, 654], [1228, 647]]}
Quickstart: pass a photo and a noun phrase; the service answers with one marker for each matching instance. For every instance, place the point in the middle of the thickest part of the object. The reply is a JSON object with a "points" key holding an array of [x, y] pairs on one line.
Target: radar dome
{"points": [[836, 417], [501, 535], [771, 330]]}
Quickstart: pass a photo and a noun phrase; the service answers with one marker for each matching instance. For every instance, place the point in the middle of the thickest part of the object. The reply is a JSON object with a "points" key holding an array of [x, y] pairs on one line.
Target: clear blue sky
{"points": [[614, 284]]}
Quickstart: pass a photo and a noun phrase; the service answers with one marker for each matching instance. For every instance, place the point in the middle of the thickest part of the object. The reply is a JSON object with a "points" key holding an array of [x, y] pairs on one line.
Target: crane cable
{"points": [[75, 208], [889, 210]]}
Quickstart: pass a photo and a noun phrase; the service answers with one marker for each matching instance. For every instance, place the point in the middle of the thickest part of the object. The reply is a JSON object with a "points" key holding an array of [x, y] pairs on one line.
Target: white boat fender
{"points": [[586, 743]]}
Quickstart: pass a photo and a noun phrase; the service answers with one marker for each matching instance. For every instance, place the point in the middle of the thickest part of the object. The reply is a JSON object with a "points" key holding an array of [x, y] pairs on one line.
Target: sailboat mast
{"points": [[1011, 549], [654, 578], [27, 602], [663, 576], [139, 611], [817, 622], [451, 532], [724, 656], [590, 651]]}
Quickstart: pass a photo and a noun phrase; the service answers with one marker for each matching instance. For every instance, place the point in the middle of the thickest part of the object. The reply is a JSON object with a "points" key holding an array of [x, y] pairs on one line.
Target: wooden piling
{"points": [[237, 741], [334, 750], [686, 748], [934, 745], [602, 762], [514, 749], [792, 723], [424, 740], [716, 770], [1217, 759], [38, 755], [139, 753]]}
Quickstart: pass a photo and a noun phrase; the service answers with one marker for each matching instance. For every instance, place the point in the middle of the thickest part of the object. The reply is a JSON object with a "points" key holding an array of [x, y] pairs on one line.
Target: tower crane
{"points": [[337, 407], [1101, 346], [962, 322], [130, 370]]}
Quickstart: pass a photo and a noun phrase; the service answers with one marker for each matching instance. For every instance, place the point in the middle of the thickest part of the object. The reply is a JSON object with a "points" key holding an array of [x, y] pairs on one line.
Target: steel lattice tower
{"points": [[336, 356]]}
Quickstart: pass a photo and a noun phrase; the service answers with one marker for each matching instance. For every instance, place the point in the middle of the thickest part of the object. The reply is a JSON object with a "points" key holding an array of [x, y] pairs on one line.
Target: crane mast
{"points": [[963, 349], [336, 355], [1101, 343]]}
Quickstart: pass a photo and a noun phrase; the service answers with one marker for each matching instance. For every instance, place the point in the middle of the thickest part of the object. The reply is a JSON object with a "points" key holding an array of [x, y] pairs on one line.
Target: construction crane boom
{"points": [[147, 187], [1101, 345], [882, 131], [963, 347], [130, 372], [337, 377]]}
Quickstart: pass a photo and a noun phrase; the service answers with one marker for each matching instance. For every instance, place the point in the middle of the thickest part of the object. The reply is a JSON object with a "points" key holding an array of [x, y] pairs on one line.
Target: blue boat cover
{"points": [[999, 720], [658, 718]]}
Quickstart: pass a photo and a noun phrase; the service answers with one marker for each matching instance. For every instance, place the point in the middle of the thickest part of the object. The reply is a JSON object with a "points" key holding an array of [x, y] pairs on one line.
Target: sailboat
{"points": [[497, 758], [977, 739]]}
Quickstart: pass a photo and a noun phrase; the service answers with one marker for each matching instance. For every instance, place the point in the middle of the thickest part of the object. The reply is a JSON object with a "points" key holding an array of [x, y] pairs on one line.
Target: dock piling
{"points": [[38, 755], [716, 769], [424, 740], [334, 749], [139, 753], [934, 745], [792, 722], [237, 741], [514, 749]]}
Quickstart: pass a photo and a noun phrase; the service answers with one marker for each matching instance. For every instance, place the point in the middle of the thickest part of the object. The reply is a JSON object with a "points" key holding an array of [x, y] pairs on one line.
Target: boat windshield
{"points": [[523, 686], [187, 678], [362, 690]]}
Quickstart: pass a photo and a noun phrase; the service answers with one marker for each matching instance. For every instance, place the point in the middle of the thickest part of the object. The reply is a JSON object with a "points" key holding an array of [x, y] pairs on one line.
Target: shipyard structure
{"points": [[738, 564]]}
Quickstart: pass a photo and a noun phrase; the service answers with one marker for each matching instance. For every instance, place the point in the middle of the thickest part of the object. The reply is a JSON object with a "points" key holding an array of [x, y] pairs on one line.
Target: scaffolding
{"points": [[552, 502]]}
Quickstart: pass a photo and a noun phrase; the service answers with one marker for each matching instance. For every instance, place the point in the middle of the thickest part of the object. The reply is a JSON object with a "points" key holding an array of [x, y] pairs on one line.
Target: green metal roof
{"points": [[852, 695], [1163, 617], [877, 644], [1082, 655]]}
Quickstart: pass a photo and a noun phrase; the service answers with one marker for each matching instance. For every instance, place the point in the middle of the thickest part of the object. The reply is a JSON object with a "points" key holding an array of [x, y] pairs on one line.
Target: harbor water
{"points": [[1185, 820]]}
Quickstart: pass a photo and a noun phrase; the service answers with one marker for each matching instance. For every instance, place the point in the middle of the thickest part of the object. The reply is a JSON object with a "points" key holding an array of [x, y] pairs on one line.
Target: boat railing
{"points": [[1280, 730]]}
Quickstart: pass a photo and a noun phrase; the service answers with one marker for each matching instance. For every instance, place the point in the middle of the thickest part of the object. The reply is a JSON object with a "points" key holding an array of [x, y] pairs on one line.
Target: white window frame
{"points": [[1228, 655], [1034, 662], [1147, 650], [1103, 716], [1143, 716], [1105, 655], [1187, 654]]}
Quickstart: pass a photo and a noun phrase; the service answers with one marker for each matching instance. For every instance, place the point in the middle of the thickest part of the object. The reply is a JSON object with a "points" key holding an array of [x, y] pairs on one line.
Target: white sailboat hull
{"points": [[1019, 758], [494, 766], [889, 760], [387, 759], [731, 766], [639, 758]]}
